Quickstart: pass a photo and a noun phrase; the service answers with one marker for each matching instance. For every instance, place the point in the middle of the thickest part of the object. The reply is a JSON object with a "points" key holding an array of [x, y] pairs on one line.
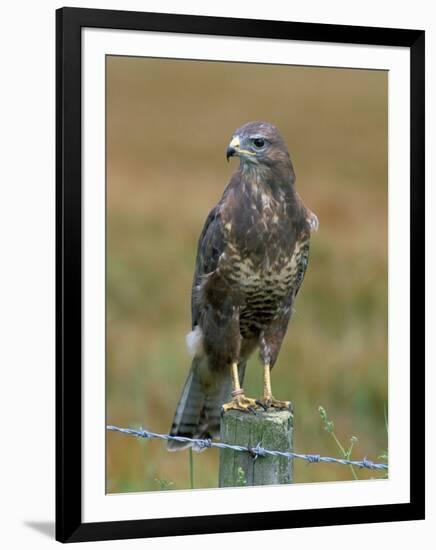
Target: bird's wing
{"points": [[210, 248], [311, 225], [302, 261]]}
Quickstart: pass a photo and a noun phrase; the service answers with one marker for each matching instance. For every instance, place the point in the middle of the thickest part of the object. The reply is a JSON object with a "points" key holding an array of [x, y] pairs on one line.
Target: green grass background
{"points": [[168, 126]]}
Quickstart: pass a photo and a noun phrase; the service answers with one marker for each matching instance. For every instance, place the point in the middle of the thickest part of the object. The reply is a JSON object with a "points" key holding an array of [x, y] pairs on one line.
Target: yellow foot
{"points": [[240, 403], [268, 402]]}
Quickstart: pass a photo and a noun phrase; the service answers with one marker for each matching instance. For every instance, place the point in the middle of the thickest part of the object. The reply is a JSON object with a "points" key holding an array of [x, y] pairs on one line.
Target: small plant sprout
{"points": [[353, 441], [329, 428], [241, 479], [164, 484]]}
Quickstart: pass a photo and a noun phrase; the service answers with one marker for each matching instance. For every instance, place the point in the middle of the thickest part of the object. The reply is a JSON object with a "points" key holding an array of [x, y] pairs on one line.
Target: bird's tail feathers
{"points": [[198, 412], [188, 411]]}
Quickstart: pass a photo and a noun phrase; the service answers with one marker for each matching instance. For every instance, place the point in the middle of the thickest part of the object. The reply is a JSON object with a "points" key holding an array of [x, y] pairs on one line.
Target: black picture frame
{"points": [[69, 22]]}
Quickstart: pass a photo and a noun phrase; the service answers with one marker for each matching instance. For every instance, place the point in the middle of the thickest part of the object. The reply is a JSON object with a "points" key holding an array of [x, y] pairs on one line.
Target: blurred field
{"points": [[168, 126]]}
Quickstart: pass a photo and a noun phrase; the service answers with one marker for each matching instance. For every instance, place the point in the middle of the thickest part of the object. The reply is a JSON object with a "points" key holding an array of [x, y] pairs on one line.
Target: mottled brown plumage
{"points": [[252, 257]]}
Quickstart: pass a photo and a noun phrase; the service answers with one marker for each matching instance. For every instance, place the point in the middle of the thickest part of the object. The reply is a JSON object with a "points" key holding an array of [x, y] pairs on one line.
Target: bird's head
{"points": [[258, 143]]}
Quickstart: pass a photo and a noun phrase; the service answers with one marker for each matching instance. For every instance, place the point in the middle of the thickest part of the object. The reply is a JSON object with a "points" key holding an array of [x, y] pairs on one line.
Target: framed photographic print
{"points": [[236, 195]]}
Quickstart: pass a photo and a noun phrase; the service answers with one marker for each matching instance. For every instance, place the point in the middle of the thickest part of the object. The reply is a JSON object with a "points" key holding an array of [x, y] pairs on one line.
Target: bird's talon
{"points": [[270, 402], [261, 404], [240, 403], [286, 405]]}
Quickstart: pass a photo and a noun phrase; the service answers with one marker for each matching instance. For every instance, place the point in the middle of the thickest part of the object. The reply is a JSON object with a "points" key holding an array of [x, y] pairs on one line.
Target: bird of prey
{"points": [[251, 260]]}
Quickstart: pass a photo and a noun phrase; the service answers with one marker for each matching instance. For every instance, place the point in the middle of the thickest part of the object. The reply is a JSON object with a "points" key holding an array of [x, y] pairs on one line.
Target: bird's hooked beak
{"points": [[233, 147]]}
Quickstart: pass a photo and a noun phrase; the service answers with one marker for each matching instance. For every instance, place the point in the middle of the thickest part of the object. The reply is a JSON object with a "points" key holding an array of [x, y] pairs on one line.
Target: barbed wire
{"points": [[255, 452]]}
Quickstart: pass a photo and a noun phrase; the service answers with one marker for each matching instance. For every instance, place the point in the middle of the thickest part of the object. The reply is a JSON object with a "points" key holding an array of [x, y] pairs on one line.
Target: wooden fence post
{"points": [[271, 430]]}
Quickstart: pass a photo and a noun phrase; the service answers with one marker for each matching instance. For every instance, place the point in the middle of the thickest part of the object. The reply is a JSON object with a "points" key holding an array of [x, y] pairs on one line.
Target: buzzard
{"points": [[251, 260]]}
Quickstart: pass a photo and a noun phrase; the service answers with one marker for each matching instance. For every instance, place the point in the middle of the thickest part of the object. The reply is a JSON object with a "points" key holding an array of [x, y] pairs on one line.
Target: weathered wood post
{"points": [[271, 430]]}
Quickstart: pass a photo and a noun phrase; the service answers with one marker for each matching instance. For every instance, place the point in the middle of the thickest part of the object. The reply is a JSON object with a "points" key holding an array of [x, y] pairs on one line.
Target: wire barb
{"points": [[255, 452]]}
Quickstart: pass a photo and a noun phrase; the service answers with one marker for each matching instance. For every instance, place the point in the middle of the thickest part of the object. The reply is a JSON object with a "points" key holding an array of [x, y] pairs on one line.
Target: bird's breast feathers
{"points": [[251, 275], [263, 248], [265, 234]]}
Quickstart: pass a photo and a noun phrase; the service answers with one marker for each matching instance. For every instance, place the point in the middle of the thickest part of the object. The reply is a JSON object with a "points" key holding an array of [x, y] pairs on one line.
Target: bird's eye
{"points": [[258, 142]]}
